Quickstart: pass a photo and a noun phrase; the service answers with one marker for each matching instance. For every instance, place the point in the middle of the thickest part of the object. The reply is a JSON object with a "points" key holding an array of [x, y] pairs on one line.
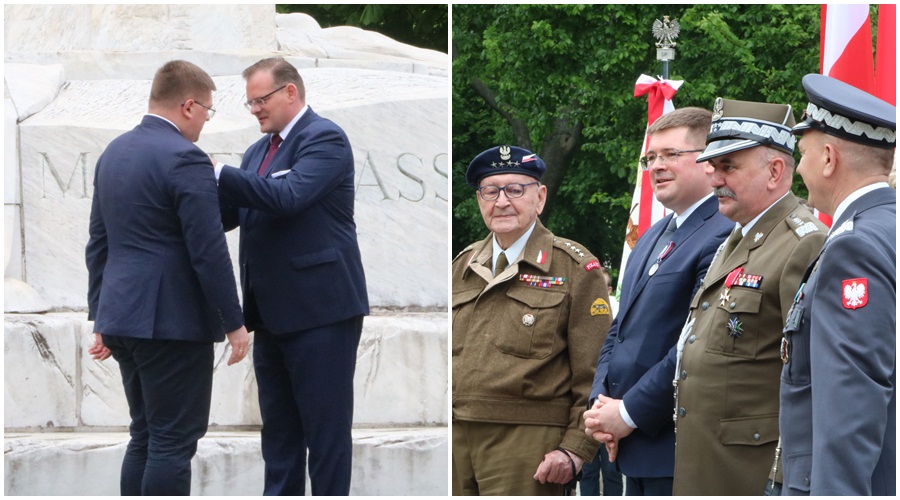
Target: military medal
{"points": [[541, 281], [735, 327], [661, 257], [725, 296]]}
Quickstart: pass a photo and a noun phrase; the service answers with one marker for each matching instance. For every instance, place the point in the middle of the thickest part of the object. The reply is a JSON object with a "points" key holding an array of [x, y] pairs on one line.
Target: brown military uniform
{"points": [[728, 385], [526, 343]]}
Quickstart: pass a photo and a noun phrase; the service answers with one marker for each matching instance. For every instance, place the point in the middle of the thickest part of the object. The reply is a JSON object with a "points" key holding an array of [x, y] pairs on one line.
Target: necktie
{"points": [[502, 262], [732, 242], [661, 243], [276, 140]]}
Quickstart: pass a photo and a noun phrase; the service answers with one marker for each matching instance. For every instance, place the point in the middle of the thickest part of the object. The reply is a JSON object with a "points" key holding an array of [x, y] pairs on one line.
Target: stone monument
{"points": [[77, 76]]}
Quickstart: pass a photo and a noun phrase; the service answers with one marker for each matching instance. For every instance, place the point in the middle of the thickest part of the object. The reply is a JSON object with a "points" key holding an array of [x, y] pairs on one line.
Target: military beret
{"points": [[844, 111], [741, 125], [504, 160]]}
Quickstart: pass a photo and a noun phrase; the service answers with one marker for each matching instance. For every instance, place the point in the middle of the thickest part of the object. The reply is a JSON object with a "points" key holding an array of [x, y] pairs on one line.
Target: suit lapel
{"points": [[640, 255]]}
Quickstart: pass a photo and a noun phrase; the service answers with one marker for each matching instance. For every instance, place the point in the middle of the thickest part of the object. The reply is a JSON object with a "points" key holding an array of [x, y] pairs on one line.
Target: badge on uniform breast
{"points": [[735, 327], [600, 308], [725, 296], [528, 319], [856, 293]]}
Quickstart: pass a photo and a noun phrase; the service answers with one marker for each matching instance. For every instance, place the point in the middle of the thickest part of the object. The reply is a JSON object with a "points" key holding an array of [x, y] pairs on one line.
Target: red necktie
{"points": [[276, 140]]}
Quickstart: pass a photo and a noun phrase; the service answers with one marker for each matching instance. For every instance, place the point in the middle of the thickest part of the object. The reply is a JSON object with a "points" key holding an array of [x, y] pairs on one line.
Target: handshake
{"points": [[604, 423]]}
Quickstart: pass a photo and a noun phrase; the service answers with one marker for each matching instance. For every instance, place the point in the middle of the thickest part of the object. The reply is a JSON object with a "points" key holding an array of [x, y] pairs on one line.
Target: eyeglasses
{"points": [[211, 111], [261, 101], [669, 155], [515, 190]]}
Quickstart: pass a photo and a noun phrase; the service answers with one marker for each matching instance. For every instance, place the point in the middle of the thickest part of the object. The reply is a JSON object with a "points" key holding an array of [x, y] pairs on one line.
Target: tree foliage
{"points": [[548, 77], [419, 25]]}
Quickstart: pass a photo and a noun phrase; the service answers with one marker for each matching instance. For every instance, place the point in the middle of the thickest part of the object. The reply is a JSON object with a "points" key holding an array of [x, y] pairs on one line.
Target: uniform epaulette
{"points": [[464, 250], [803, 223], [845, 228], [574, 249]]}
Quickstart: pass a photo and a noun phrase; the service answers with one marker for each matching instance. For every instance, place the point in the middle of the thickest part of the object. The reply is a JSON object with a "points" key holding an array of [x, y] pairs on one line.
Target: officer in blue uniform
{"points": [[838, 398]]}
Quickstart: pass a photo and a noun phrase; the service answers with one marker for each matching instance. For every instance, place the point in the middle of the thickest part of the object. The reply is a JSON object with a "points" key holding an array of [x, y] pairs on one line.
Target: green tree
{"points": [[419, 25], [559, 80]]}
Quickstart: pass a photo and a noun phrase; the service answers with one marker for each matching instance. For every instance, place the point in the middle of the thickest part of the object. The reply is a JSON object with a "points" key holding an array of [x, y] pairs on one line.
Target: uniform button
{"points": [[731, 305], [681, 411], [692, 339], [620, 339], [701, 282], [704, 306], [683, 374], [806, 481], [756, 437]]}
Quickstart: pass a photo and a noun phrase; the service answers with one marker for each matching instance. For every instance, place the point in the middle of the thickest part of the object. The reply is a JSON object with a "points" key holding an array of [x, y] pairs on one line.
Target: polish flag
{"points": [[846, 51], [645, 208], [886, 54]]}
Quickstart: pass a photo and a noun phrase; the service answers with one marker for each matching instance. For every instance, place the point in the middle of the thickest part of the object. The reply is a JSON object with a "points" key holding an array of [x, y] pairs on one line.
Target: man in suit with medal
{"points": [[838, 384], [302, 279], [632, 386], [728, 355]]}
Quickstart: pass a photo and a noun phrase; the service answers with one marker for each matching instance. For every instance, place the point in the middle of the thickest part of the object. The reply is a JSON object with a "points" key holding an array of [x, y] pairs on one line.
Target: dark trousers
{"points": [[306, 400], [600, 468], [648, 486], [168, 386]]}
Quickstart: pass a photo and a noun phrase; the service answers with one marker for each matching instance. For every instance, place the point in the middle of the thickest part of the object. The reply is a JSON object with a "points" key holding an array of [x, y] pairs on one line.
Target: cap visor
{"points": [[719, 148]]}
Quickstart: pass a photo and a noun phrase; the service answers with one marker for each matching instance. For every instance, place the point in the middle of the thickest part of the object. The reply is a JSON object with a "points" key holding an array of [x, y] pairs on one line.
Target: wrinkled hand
{"points": [[99, 351], [240, 342], [556, 468]]}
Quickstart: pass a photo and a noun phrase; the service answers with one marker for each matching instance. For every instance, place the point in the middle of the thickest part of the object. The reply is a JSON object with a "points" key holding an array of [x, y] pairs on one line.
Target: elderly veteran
{"points": [[530, 312], [728, 355], [838, 384]]}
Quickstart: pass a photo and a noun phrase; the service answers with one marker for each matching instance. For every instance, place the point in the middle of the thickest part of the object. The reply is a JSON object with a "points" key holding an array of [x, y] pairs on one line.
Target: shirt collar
{"points": [[746, 229], [287, 129], [842, 207], [680, 218], [512, 253]]}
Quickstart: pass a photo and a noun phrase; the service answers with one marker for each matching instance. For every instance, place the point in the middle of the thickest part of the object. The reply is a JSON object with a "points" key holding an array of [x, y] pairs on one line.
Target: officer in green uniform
{"points": [[728, 363], [530, 312]]}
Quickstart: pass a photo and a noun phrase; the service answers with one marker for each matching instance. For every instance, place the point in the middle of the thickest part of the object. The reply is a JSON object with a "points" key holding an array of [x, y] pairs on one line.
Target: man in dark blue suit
{"points": [[302, 280], [161, 286], [664, 270], [838, 418]]}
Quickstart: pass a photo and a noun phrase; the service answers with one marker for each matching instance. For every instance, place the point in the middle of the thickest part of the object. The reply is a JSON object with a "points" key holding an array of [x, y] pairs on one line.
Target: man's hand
{"points": [[99, 351], [239, 340], [606, 418], [557, 468]]}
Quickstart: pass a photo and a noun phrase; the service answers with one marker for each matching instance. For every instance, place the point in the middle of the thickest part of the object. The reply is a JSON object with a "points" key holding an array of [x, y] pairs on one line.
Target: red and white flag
{"points": [[645, 208], [846, 51], [886, 54]]}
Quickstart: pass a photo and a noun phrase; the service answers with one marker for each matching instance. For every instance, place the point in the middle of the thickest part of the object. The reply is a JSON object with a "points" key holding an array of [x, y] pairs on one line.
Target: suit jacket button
{"points": [[681, 411]]}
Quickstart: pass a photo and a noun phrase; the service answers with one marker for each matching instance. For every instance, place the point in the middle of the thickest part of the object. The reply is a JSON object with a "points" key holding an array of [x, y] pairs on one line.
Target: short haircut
{"points": [[176, 81], [768, 154], [282, 71], [697, 121]]}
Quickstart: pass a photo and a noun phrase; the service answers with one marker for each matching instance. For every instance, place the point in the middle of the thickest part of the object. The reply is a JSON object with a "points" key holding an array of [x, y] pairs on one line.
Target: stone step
{"points": [[410, 461], [51, 382]]}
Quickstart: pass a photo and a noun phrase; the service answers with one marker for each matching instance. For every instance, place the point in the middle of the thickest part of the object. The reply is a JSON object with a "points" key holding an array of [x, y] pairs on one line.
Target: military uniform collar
{"points": [[859, 193]]}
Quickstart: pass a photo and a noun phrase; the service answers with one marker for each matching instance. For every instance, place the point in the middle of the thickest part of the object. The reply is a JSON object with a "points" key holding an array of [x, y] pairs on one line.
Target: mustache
{"points": [[724, 191]]}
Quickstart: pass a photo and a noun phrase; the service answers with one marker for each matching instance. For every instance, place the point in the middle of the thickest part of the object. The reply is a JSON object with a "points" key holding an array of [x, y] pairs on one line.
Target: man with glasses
{"points": [[530, 312], [161, 287], [302, 279], [633, 382], [727, 360]]}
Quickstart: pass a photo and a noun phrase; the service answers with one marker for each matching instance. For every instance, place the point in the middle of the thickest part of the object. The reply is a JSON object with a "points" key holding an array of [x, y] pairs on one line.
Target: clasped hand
{"points": [[604, 423]]}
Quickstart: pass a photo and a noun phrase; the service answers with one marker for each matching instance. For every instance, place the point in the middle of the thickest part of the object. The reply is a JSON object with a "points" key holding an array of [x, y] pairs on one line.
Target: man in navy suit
{"points": [[161, 286], [838, 385], [302, 280], [664, 270]]}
